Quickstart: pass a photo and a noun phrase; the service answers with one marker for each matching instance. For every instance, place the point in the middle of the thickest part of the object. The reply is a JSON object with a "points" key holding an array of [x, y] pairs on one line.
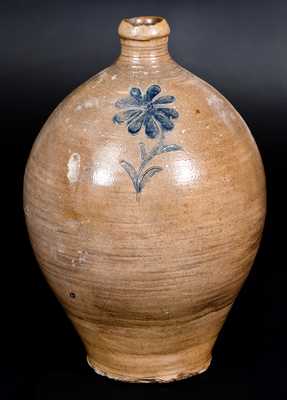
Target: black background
{"points": [[47, 49]]}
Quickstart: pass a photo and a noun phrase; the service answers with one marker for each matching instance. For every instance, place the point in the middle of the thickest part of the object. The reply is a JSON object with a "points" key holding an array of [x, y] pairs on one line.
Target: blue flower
{"points": [[142, 110]]}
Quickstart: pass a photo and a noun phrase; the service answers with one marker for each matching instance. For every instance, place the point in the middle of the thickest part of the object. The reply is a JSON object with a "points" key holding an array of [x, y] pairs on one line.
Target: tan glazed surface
{"points": [[145, 237]]}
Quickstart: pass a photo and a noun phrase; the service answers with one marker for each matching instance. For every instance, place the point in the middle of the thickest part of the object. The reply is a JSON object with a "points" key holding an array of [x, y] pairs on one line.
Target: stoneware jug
{"points": [[144, 197]]}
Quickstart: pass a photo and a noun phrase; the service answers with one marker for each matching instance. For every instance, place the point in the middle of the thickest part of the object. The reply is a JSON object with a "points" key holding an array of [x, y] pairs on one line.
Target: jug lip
{"points": [[143, 28]]}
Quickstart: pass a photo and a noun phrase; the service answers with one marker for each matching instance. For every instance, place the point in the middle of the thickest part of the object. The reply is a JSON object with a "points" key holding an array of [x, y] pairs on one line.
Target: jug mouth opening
{"points": [[143, 28], [138, 21]]}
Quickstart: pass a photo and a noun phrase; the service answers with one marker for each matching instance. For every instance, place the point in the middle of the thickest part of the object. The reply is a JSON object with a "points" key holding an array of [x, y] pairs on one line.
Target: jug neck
{"points": [[144, 40]]}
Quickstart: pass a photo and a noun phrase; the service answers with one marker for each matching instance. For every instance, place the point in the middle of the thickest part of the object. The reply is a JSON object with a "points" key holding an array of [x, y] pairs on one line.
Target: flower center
{"points": [[150, 107]]}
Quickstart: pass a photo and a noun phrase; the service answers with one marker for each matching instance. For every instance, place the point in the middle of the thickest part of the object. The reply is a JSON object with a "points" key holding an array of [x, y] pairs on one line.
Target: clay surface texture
{"points": [[144, 198]]}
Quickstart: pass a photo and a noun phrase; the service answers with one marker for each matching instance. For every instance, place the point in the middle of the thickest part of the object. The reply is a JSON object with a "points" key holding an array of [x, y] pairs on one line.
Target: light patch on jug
{"points": [[186, 172], [102, 177], [27, 211], [74, 168], [99, 78], [72, 224], [79, 259], [218, 105], [82, 256], [90, 103], [114, 77], [103, 170], [189, 81]]}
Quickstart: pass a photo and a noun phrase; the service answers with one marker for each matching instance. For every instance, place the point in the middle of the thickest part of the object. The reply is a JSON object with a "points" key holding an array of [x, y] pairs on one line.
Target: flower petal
{"points": [[151, 127], [164, 100], [136, 94], [124, 116], [169, 112], [151, 92], [126, 102], [135, 124], [165, 122]]}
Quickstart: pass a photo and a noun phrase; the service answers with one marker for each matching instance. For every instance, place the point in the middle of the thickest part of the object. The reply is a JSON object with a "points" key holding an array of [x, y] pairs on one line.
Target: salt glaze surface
{"points": [[144, 197]]}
